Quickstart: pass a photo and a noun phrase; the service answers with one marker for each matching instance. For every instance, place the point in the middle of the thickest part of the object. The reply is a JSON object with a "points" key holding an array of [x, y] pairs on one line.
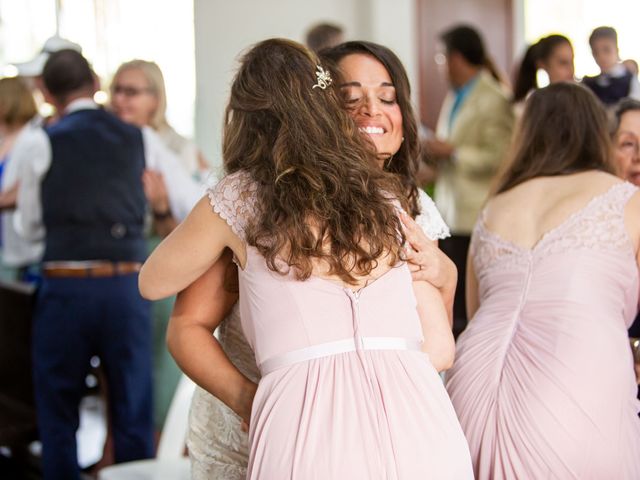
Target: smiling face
{"points": [[371, 98], [627, 146]]}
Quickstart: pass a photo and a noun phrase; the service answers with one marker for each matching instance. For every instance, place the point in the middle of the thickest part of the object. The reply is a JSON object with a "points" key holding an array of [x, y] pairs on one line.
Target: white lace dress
{"points": [[218, 448]]}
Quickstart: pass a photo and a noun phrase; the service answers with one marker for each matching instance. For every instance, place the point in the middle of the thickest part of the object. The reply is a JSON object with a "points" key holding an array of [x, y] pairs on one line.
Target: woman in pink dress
{"points": [[326, 301], [543, 381], [378, 95]]}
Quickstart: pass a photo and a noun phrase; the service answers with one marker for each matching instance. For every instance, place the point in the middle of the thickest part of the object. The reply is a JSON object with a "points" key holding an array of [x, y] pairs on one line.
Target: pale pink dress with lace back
{"points": [[543, 381], [218, 447], [345, 391]]}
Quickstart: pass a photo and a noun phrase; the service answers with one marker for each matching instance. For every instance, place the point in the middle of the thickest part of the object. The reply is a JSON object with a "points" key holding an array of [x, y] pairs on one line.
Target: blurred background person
{"points": [[631, 65], [17, 110], [324, 35], [21, 257], [91, 216], [625, 132], [543, 382], [615, 81], [626, 141], [471, 138], [552, 54], [138, 96], [31, 71]]}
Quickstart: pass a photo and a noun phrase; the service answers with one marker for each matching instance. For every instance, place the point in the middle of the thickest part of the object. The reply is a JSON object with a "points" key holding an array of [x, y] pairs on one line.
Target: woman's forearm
{"points": [[199, 354], [448, 292], [438, 338]]}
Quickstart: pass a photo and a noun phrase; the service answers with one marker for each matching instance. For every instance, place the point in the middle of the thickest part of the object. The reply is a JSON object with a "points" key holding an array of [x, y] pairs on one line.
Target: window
{"points": [[577, 18], [111, 32]]}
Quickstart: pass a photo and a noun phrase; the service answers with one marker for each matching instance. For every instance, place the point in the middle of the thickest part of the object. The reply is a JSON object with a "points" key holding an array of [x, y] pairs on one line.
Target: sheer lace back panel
{"points": [[599, 225]]}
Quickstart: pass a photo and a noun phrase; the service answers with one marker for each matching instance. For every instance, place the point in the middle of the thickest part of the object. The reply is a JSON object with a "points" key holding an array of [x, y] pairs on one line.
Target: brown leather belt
{"points": [[94, 270]]}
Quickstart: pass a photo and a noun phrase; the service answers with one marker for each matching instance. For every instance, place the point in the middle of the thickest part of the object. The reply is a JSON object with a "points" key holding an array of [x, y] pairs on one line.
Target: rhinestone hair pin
{"points": [[324, 78]]}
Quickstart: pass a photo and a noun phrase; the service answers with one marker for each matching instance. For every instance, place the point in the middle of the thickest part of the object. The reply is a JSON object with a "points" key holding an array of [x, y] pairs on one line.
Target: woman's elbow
{"points": [[443, 356], [148, 288], [446, 362]]}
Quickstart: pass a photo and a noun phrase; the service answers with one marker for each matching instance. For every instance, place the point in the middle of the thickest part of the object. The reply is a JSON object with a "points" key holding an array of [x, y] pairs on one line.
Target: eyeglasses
{"points": [[128, 91]]}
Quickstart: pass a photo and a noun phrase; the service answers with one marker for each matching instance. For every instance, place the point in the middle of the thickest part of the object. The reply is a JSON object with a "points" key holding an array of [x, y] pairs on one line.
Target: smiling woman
{"points": [[377, 93], [284, 149], [371, 97], [217, 445]]}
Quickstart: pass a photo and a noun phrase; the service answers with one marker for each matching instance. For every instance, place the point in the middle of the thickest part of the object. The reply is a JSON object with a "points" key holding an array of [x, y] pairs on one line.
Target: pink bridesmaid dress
{"points": [[543, 381], [345, 392]]}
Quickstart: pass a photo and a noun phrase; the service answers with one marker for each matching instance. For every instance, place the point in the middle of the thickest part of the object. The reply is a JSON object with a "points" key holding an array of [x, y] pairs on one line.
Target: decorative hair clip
{"points": [[324, 78]]}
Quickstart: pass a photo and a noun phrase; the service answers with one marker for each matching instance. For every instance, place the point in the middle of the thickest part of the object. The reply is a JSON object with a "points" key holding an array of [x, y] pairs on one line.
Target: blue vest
{"points": [[92, 197], [617, 89]]}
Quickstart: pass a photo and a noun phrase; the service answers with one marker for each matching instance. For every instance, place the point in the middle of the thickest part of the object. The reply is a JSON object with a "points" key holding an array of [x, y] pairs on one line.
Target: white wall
{"points": [[224, 28]]}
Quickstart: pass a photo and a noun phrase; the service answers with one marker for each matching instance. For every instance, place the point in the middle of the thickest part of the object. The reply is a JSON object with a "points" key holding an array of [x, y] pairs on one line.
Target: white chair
{"points": [[169, 464]]}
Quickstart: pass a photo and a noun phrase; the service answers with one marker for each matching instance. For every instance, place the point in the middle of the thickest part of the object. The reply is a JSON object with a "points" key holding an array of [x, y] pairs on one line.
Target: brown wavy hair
{"points": [[406, 160], [564, 130], [321, 194]]}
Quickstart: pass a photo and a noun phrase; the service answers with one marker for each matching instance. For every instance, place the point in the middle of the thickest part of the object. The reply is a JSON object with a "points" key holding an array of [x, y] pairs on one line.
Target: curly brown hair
{"points": [[321, 194], [406, 160]]}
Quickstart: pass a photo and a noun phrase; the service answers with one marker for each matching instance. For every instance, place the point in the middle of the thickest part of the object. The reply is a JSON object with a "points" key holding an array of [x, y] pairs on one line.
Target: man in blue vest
{"points": [[91, 209]]}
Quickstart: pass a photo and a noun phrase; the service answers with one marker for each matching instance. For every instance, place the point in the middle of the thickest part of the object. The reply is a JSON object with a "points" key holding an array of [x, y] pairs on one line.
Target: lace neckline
{"points": [[571, 218]]}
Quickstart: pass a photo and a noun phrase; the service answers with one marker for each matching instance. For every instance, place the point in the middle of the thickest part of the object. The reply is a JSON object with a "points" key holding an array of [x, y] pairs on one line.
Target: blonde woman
{"points": [[138, 96], [17, 109]]}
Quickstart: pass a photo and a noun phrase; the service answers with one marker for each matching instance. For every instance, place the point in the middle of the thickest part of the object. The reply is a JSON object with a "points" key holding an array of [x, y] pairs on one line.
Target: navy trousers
{"points": [[75, 319]]}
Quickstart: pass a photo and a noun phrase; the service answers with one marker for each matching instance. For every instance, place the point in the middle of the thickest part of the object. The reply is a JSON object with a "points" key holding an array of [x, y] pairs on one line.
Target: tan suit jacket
{"points": [[481, 133]]}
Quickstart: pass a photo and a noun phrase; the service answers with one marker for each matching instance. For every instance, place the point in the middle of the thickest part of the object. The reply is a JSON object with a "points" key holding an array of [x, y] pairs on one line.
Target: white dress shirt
{"points": [[17, 251], [183, 191]]}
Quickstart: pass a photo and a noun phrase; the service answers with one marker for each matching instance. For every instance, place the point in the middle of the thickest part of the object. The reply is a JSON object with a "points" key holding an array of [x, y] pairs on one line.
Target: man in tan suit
{"points": [[473, 133]]}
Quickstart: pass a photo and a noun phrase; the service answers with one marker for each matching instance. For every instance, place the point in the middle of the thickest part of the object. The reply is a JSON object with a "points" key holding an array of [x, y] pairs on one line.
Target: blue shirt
{"points": [[461, 95]]}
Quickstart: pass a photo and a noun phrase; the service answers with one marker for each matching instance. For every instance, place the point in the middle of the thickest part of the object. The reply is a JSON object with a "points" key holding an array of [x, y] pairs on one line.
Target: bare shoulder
{"points": [[550, 198], [600, 179]]}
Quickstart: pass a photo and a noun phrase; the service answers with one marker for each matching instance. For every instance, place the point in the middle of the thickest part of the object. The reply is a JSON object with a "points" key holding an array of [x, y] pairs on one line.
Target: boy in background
{"points": [[615, 81]]}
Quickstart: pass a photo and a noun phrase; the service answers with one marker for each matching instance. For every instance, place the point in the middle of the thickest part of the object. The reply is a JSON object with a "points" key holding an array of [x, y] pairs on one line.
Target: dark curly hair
{"points": [[322, 196], [406, 160]]}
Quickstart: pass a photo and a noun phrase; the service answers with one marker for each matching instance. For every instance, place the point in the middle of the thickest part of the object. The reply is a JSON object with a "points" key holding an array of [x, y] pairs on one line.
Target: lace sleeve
{"points": [[234, 199], [430, 219]]}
